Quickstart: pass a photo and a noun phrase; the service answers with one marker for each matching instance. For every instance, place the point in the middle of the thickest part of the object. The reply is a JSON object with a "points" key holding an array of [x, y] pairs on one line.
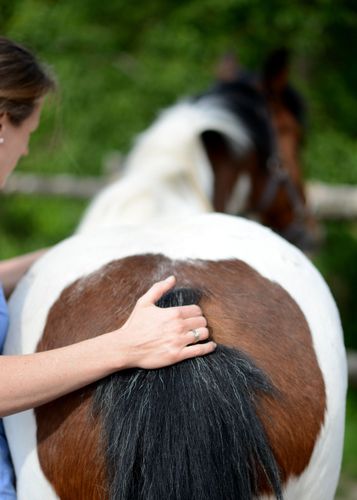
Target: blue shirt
{"points": [[4, 319], [7, 490]]}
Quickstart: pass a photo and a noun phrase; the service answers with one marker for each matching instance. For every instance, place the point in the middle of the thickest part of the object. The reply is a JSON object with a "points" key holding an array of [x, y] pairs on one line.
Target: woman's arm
{"points": [[12, 270], [151, 338]]}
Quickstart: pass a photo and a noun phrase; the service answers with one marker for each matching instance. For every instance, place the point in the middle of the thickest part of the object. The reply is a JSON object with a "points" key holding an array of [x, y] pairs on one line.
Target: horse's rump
{"points": [[195, 429], [226, 423]]}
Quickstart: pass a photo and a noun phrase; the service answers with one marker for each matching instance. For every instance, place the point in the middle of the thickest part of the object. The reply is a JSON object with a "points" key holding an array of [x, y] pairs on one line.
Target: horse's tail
{"points": [[188, 431]]}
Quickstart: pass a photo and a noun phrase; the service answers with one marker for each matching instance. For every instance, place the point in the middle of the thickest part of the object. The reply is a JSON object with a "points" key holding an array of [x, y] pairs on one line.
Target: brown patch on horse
{"points": [[69, 446], [289, 136], [244, 310], [227, 167], [280, 212], [249, 312]]}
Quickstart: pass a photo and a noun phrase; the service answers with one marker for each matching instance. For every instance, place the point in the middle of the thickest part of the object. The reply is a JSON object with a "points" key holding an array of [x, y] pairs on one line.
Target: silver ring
{"points": [[196, 335]]}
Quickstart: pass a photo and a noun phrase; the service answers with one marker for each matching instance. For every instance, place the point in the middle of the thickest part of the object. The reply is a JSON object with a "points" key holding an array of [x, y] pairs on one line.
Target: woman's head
{"points": [[24, 82]]}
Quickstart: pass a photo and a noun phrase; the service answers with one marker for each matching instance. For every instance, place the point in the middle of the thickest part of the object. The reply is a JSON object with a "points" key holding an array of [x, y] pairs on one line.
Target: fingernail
{"points": [[170, 278]]}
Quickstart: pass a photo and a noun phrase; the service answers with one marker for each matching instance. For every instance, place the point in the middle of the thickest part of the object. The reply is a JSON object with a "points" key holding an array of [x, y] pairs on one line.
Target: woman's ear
{"points": [[2, 127], [3, 122]]}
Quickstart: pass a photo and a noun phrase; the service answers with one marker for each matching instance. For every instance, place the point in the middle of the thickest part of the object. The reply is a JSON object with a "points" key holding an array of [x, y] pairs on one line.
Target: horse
{"points": [[218, 151], [262, 416], [280, 198]]}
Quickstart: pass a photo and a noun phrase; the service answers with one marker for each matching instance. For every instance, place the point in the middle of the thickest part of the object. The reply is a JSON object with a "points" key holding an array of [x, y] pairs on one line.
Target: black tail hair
{"points": [[188, 431]]}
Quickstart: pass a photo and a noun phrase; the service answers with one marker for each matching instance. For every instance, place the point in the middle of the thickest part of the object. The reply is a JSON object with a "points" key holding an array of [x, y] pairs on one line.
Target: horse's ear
{"points": [[276, 70], [227, 68]]}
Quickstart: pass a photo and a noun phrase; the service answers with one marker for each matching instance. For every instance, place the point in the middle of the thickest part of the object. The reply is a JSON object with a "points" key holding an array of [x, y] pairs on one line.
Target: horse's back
{"points": [[260, 296]]}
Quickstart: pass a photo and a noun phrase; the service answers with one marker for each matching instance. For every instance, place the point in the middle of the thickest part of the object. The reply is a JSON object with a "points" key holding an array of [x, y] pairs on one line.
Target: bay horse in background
{"points": [[275, 113], [263, 415], [224, 151]]}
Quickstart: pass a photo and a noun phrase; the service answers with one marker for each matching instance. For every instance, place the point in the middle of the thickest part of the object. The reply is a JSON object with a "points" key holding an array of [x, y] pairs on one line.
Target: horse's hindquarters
{"points": [[244, 311], [276, 324]]}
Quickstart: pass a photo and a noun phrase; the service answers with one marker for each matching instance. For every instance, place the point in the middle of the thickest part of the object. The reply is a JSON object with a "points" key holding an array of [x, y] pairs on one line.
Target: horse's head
{"points": [[278, 193], [288, 212], [273, 113]]}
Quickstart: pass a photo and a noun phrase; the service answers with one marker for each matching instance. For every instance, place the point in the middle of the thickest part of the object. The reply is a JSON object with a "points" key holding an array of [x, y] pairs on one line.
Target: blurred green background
{"points": [[118, 63]]}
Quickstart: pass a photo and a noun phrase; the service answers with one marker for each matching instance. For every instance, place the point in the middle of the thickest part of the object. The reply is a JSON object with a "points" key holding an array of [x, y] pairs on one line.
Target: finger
{"points": [[196, 335], [192, 323], [192, 351], [187, 311], [157, 291]]}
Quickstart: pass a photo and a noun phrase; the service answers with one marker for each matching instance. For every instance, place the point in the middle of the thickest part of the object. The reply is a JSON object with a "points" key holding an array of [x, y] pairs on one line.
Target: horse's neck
{"points": [[174, 171], [172, 148], [168, 171], [178, 168], [160, 189]]}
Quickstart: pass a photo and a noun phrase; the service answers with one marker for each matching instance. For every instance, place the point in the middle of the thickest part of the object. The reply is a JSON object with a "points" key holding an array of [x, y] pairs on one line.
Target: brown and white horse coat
{"points": [[217, 152], [260, 295], [168, 171]]}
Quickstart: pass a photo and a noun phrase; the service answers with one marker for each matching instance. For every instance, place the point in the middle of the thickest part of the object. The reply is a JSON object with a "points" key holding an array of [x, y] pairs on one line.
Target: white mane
{"points": [[168, 172]]}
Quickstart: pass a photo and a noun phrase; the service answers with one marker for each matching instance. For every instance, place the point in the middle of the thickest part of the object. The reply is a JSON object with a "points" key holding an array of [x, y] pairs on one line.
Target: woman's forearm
{"points": [[12, 270], [31, 380]]}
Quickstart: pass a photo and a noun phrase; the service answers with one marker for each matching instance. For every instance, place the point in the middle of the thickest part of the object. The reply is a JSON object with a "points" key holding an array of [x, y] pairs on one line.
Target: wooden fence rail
{"points": [[331, 201], [60, 185], [325, 201]]}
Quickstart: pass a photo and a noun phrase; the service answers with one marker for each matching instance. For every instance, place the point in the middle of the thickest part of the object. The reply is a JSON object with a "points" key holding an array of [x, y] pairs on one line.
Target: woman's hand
{"points": [[154, 337]]}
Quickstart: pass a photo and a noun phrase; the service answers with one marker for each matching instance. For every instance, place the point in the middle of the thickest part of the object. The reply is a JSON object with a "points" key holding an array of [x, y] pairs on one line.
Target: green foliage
{"points": [[348, 479], [118, 64], [349, 458], [331, 156], [337, 263], [28, 223]]}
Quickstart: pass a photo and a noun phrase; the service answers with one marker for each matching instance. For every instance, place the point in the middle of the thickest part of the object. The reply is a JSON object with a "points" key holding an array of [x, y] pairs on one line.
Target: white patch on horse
{"points": [[239, 198], [168, 171], [205, 236]]}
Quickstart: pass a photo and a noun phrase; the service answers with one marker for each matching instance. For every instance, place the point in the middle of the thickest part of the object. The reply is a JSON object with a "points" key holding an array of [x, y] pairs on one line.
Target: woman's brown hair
{"points": [[23, 80]]}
